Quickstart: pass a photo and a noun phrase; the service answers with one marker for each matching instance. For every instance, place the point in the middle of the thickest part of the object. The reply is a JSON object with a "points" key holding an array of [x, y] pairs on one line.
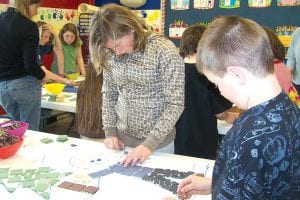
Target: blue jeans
{"points": [[21, 99]]}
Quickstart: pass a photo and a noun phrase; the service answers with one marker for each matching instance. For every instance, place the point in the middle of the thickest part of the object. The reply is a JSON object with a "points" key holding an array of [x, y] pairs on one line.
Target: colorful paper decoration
{"points": [[288, 2], [152, 19], [229, 3], [204, 23], [284, 34], [57, 17], [204, 4], [133, 3], [259, 3], [180, 4], [3, 7], [176, 29]]}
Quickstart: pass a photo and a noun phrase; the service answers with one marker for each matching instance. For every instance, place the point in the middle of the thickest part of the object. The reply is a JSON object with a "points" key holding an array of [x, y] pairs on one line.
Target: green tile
{"points": [[46, 195], [46, 140], [39, 176], [14, 179], [30, 170], [4, 170], [16, 172], [53, 181], [53, 175], [61, 138], [10, 189], [43, 169], [28, 184], [4, 174], [40, 187]]}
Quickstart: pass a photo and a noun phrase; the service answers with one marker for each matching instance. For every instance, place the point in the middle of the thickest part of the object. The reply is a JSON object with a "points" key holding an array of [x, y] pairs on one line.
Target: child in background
{"points": [[47, 34], [283, 74], [88, 118], [47, 45], [259, 157], [293, 61], [71, 46], [196, 131]]}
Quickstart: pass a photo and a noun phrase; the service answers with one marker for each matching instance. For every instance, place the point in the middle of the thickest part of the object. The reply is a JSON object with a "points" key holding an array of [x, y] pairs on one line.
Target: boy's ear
{"points": [[237, 73]]}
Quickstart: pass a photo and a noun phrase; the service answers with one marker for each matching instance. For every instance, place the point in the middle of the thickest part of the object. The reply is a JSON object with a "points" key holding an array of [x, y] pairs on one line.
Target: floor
{"points": [[61, 126]]}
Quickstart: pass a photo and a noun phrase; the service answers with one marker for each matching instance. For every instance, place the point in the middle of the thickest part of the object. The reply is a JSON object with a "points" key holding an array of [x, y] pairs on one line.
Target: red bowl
{"points": [[8, 151], [16, 131]]}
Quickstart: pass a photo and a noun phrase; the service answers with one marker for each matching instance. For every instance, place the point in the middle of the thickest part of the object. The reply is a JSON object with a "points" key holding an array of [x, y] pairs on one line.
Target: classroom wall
{"points": [[150, 4], [272, 16], [67, 4]]}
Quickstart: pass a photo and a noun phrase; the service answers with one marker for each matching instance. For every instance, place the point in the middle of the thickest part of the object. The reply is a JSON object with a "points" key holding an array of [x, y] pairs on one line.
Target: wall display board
{"points": [[152, 18], [268, 14], [3, 7], [86, 12]]}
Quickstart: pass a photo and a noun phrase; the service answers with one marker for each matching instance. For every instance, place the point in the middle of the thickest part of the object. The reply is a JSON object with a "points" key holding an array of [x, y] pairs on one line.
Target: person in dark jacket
{"points": [[196, 130], [20, 74]]}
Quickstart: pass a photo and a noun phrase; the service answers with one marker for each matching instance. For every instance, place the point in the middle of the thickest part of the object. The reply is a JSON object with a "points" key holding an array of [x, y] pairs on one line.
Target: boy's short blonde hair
{"points": [[235, 41]]}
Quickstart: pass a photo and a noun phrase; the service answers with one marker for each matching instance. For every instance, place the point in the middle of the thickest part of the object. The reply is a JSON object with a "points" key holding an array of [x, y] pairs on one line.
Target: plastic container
{"points": [[16, 128], [8, 151], [72, 76], [54, 88]]}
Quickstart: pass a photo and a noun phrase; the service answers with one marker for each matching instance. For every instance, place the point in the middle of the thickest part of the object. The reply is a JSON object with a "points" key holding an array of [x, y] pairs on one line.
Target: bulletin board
{"points": [[272, 16]]}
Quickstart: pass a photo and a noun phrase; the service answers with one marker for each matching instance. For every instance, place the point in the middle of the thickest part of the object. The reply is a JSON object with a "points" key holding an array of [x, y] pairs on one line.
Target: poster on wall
{"points": [[180, 4], [3, 7], [57, 17], [259, 3], [86, 13], [204, 4], [288, 2], [176, 29], [152, 19], [284, 34], [229, 3]]}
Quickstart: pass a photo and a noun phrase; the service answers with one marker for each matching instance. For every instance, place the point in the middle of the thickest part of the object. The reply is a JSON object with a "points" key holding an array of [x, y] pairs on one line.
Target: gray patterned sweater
{"points": [[143, 95]]}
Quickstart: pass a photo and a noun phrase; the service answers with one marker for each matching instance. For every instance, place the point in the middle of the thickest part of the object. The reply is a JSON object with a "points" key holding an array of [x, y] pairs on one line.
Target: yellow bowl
{"points": [[54, 88], [72, 76]]}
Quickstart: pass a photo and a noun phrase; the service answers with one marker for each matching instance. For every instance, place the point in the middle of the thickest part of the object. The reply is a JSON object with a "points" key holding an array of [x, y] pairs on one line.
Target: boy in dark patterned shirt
{"points": [[259, 157]]}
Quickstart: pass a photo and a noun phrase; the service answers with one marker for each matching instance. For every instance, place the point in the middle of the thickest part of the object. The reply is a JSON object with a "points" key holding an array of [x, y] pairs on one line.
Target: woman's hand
{"points": [[193, 185], [114, 143], [138, 154], [48, 27], [69, 82]]}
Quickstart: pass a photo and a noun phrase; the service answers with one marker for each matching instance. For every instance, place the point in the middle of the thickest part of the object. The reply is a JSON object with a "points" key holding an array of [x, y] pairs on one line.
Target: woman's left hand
{"points": [[138, 154]]}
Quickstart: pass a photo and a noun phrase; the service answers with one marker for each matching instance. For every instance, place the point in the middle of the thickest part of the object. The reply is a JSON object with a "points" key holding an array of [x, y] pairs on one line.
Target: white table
{"points": [[223, 127], [68, 105], [75, 155]]}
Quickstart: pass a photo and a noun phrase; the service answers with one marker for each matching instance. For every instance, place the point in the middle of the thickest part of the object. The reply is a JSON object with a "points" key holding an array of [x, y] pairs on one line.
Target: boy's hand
{"points": [[138, 154], [193, 185]]}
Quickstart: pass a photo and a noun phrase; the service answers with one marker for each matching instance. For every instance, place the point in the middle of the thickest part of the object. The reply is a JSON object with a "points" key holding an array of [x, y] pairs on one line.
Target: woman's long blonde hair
{"points": [[113, 21], [22, 6], [88, 120]]}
